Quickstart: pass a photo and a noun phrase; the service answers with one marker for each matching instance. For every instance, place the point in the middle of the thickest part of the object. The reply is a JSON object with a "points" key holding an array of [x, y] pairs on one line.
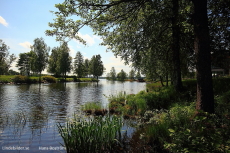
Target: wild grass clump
{"points": [[120, 97], [49, 79], [95, 108], [85, 135]]}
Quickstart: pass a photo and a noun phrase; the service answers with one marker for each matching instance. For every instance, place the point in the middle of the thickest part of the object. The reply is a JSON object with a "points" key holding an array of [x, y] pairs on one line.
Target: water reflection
{"points": [[29, 113]]}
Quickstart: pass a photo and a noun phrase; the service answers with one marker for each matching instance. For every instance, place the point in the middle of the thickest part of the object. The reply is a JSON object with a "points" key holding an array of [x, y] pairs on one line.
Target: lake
{"points": [[29, 114]]}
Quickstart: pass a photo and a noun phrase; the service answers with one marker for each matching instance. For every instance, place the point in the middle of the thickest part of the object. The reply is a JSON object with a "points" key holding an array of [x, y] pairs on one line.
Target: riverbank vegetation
{"points": [[167, 121], [44, 79]]}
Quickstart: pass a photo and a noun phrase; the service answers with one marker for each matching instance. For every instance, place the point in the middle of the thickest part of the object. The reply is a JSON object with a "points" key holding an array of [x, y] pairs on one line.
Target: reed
{"points": [[84, 135]]}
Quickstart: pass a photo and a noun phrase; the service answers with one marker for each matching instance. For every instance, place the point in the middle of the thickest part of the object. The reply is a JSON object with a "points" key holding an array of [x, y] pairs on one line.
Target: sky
{"points": [[22, 21]]}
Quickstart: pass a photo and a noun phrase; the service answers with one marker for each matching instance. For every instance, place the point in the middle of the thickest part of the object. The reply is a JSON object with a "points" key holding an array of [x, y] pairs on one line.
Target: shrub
{"points": [[205, 133], [49, 79], [21, 79]]}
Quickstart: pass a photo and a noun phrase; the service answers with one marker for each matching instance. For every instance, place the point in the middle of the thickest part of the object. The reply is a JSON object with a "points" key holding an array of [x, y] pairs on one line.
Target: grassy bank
{"points": [[45, 79], [166, 121]]}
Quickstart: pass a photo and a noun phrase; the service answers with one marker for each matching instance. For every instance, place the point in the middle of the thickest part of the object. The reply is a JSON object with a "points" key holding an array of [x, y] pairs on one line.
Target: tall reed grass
{"points": [[87, 135]]}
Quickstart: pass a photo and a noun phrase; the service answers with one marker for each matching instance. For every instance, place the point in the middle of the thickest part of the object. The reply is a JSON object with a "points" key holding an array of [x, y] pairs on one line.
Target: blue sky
{"points": [[21, 21]]}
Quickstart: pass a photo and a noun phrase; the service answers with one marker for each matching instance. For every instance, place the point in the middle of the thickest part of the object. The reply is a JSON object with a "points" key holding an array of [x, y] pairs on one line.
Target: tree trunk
{"points": [[176, 74], [205, 98]]}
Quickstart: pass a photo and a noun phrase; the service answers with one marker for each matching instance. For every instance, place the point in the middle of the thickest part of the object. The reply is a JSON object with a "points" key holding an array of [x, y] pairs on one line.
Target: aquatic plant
{"points": [[95, 108], [85, 135]]}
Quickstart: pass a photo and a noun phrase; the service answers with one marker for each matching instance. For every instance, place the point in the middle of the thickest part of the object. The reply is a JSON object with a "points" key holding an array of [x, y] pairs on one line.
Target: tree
{"points": [[205, 98], [41, 52], [53, 62], [112, 74], [96, 66], [132, 30], [79, 67], [132, 74], [24, 63], [121, 76], [138, 75], [5, 58], [64, 60], [86, 67]]}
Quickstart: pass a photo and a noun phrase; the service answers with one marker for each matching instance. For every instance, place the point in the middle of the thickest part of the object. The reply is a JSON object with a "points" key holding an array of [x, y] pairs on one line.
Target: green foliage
{"points": [[121, 76], [137, 104], [23, 79], [205, 133], [84, 135], [96, 66], [120, 97], [79, 67], [49, 79], [132, 74], [92, 106], [222, 104], [41, 54], [112, 75], [5, 58]]}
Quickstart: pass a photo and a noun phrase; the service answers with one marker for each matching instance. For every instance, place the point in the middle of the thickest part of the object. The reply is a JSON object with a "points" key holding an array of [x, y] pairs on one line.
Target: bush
{"points": [[21, 79], [205, 133], [49, 79]]}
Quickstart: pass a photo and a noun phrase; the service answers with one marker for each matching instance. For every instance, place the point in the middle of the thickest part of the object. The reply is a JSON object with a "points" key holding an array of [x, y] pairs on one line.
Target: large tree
{"points": [[79, 67], [5, 58], [96, 66], [41, 52], [205, 98], [113, 74], [53, 62], [122, 75], [24, 63], [64, 60], [136, 29]]}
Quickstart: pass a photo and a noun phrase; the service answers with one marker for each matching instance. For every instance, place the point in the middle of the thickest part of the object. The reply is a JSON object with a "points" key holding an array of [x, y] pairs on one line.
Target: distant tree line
{"points": [[59, 63], [122, 75]]}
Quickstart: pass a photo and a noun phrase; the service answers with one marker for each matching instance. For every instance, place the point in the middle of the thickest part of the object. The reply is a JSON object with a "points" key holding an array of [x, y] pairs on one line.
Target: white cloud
{"points": [[72, 51], [26, 44], [3, 21], [90, 39], [118, 64]]}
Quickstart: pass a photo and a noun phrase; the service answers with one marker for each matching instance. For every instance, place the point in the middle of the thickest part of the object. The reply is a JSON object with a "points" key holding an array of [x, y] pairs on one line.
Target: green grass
{"points": [[83, 135], [6, 78], [46, 78]]}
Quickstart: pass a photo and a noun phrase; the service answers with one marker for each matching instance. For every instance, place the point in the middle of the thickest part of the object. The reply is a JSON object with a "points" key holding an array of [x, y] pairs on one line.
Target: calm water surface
{"points": [[29, 113]]}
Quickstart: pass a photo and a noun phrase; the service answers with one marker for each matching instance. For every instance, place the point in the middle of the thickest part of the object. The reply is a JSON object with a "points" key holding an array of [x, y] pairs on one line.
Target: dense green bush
{"points": [[21, 79], [204, 133], [24, 79], [49, 79]]}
